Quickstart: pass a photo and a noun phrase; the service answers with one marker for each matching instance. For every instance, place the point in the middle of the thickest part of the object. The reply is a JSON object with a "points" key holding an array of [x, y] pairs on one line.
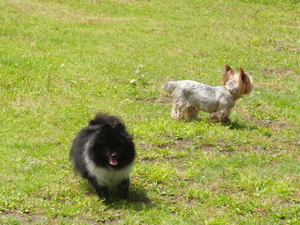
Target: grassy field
{"points": [[63, 61]]}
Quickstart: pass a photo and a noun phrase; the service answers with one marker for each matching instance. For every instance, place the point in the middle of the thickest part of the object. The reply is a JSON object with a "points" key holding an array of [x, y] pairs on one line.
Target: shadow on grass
{"points": [[137, 199], [236, 125], [240, 126]]}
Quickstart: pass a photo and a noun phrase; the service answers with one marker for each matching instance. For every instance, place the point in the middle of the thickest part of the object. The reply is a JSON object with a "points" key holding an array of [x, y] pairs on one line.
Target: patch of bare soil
{"points": [[23, 218], [143, 100], [277, 72], [165, 98], [285, 48], [285, 45], [31, 219]]}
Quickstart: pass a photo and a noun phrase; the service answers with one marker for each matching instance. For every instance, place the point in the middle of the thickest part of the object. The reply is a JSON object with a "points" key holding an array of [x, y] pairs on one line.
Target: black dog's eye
{"points": [[106, 149], [105, 128]]}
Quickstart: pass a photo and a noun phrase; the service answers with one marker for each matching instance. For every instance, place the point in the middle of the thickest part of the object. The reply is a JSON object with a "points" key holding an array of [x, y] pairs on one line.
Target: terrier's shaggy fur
{"points": [[190, 96]]}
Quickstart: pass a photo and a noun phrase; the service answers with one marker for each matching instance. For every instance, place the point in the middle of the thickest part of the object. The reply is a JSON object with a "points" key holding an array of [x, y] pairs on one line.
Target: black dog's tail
{"points": [[170, 86]]}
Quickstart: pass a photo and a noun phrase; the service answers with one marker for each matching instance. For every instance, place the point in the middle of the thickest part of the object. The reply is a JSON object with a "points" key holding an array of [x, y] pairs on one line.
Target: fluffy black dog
{"points": [[103, 152]]}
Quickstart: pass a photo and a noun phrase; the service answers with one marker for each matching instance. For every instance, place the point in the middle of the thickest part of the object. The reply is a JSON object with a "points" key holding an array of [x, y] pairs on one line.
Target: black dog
{"points": [[103, 152]]}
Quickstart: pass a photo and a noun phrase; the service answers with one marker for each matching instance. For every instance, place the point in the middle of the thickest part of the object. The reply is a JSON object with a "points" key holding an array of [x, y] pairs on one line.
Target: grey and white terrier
{"points": [[191, 96]]}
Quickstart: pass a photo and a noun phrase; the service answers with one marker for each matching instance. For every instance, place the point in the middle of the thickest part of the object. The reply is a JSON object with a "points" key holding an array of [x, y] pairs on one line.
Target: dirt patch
{"points": [[178, 143], [285, 45], [277, 72], [286, 48], [165, 98], [22, 218], [145, 100], [264, 123]]}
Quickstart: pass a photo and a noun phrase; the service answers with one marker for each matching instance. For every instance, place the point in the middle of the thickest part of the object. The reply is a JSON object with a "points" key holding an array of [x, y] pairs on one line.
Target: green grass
{"points": [[62, 61]]}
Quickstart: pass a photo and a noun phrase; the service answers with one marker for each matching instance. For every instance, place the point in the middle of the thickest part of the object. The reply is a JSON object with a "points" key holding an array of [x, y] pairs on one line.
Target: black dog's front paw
{"points": [[103, 193], [124, 188]]}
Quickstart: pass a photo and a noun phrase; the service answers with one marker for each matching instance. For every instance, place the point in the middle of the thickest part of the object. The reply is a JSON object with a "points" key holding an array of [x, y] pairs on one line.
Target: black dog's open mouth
{"points": [[113, 161]]}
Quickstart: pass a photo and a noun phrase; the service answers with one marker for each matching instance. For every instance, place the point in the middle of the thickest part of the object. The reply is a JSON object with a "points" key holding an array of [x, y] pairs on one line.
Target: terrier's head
{"points": [[243, 80]]}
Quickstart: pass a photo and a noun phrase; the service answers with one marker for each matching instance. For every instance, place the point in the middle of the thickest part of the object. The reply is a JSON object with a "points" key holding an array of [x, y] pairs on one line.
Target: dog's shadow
{"points": [[240, 126], [233, 125], [137, 199]]}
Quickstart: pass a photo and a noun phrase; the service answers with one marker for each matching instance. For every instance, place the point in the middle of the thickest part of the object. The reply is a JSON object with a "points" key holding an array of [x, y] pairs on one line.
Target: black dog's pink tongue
{"points": [[113, 161]]}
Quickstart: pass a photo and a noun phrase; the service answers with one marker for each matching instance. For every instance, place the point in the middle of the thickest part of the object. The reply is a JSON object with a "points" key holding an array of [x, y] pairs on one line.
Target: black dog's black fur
{"points": [[103, 152]]}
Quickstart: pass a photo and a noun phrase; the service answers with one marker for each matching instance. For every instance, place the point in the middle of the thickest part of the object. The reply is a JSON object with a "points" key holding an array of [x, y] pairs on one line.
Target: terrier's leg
{"points": [[214, 116], [221, 116], [178, 110], [225, 115], [192, 112]]}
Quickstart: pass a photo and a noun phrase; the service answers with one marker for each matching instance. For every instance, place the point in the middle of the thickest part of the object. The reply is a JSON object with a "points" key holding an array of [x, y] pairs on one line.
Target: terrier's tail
{"points": [[170, 86]]}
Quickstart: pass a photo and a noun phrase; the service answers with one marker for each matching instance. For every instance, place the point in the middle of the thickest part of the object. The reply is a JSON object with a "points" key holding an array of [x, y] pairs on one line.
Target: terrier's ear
{"points": [[228, 73], [243, 75], [242, 71], [228, 69], [246, 82]]}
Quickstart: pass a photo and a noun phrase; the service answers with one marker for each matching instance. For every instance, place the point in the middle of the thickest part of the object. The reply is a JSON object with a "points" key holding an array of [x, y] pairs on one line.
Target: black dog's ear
{"points": [[120, 127]]}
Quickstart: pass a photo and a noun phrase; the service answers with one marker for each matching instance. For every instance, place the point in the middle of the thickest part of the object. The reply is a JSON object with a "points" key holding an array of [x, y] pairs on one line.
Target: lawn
{"points": [[63, 61]]}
